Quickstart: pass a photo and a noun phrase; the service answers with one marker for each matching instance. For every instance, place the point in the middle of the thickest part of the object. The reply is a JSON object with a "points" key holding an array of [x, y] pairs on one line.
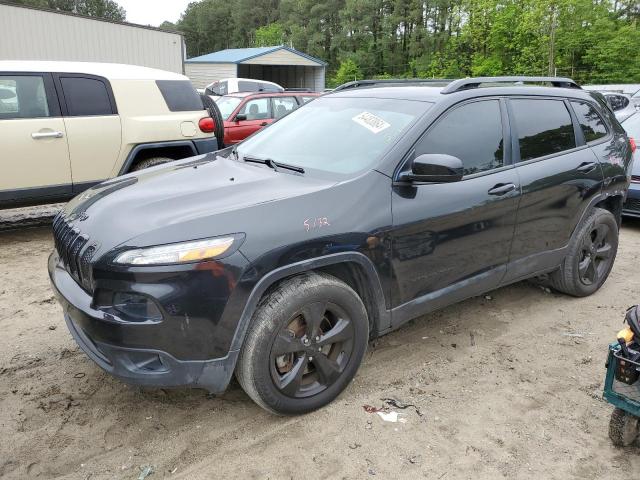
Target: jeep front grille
{"points": [[70, 245]]}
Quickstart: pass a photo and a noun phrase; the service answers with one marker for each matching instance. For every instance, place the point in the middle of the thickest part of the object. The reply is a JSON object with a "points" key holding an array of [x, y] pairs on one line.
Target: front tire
{"points": [[305, 343], [592, 252]]}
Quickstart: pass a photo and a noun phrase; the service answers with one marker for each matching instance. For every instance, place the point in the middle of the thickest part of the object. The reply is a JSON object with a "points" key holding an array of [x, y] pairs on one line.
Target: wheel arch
{"points": [[612, 204], [174, 150], [353, 268]]}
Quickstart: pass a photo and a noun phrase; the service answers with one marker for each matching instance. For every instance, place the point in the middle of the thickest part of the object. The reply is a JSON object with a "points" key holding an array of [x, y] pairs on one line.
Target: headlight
{"points": [[176, 252]]}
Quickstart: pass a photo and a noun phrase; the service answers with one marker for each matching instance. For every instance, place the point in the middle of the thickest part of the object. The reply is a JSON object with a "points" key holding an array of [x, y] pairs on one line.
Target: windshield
{"points": [[227, 105], [335, 134]]}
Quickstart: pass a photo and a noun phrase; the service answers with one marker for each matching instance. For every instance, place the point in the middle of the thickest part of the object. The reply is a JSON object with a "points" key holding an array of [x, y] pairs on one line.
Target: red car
{"points": [[247, 112]]}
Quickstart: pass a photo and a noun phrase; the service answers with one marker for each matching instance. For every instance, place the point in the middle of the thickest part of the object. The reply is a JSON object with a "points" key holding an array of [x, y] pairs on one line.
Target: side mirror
{"points": [[435, 167], [241, 117]]}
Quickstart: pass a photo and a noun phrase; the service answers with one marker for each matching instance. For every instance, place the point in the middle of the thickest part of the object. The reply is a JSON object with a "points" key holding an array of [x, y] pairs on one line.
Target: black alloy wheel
{"points": [[310, 353], [596, 254]]}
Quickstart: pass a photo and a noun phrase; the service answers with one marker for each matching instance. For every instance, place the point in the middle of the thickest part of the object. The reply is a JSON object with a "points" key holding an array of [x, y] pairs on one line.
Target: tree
{"points": [[107, 9], [269, 35], [348, 72], [167, 25]]}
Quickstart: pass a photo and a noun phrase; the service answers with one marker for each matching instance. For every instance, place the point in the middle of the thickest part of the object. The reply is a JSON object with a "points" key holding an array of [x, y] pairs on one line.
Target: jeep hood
{"points": [[191, 199]]}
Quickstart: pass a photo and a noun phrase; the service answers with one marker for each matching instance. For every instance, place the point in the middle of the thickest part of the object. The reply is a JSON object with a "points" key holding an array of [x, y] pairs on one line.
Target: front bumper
{"points": [[108, 341], [631, 207]]}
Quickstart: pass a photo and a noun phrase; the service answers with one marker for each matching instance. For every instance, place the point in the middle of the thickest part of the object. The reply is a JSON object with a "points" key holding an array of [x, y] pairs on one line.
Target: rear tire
{"points": [[592, 252], [305, 343], [623, 428], [150, 162]]}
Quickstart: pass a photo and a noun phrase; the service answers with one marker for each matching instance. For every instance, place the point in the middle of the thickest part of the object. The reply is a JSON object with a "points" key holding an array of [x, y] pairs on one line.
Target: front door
{"points": [[452, 240], [34, 155], [255, 114]]}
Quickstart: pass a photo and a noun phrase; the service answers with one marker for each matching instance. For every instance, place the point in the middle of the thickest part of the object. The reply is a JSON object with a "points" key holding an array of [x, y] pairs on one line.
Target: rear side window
{"points": [[23, 97], [591, 123], [544, 127], [267, 87], [86, 96], [473, 133], [283, 105], [180, 95], [249, 86], [617, 102]]}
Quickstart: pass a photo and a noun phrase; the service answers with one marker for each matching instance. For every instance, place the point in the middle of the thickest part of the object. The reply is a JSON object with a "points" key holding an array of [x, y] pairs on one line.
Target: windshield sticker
{"points": [[371, 122]]}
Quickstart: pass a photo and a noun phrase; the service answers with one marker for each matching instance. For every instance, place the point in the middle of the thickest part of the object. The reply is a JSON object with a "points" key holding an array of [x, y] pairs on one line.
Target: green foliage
{"points": [[347, 72], [107, 9], [269, 35], [589, 40]]}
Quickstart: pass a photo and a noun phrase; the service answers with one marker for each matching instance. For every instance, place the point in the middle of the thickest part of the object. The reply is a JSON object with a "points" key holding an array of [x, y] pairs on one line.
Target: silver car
{"points": [[621, 104]]}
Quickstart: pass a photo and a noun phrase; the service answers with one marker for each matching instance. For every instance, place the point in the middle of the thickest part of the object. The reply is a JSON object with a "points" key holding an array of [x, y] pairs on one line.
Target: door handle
{"points": [[264, 124], [41, 135], [502, 188], [587, 167]]}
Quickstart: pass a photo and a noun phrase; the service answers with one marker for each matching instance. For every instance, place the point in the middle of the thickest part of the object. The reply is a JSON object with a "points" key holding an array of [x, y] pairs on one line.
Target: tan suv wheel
{"points": [[150, 162]]}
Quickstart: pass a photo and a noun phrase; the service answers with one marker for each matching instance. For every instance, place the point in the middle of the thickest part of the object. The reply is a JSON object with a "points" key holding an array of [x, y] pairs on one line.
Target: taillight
{"points": [[207, 125], [632, 143]]}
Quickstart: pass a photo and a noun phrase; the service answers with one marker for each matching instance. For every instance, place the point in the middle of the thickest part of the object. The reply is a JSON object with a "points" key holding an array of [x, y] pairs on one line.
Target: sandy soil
{"points": [[503, 392]]}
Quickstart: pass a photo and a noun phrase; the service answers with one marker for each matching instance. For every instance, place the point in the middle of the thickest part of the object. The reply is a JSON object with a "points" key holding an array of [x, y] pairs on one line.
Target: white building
{"points": [[28, 33], [280, 64]]}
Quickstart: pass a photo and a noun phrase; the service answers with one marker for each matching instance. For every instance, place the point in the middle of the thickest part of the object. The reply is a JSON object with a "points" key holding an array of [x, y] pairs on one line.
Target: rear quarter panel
{"points": [[145, 118]]}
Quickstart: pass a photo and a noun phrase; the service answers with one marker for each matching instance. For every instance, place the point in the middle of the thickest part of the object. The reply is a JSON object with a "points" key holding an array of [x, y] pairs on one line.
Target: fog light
{"points": [[136, 307]]}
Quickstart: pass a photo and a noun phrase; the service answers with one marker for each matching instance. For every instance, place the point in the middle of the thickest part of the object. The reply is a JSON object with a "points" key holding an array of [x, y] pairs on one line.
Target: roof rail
{"points": [[475, 82], [393, 81]]}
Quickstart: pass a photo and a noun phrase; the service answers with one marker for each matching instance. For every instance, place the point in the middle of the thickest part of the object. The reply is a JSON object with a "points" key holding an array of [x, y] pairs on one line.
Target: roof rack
{"points": [[299, 89], [393, 81], [475, 82]]}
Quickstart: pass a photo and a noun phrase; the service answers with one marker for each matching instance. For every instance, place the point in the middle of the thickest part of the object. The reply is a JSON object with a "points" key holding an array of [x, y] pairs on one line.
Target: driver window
{"points": [[257, 109], [472, 132]]}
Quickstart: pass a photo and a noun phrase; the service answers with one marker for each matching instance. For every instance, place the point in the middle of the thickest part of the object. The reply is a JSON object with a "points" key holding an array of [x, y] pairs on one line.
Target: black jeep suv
{"points": [[280, 258]]}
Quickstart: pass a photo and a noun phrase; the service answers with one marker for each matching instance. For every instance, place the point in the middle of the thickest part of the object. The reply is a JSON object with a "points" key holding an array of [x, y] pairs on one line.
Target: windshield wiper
{"points": [[273, 164]]}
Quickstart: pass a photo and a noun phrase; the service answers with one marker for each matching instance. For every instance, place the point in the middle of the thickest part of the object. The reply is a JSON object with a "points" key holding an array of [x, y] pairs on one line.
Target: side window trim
{"points": [[53, 101], [577, 130], [506, 155], [63, 102]]}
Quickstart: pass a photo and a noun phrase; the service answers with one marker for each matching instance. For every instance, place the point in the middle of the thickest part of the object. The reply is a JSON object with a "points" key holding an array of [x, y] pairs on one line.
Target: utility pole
{"points": [[552, 40]]}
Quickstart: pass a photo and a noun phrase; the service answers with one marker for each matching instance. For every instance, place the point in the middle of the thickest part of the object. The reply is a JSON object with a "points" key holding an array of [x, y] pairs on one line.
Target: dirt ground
{"points": [[509, 386]]}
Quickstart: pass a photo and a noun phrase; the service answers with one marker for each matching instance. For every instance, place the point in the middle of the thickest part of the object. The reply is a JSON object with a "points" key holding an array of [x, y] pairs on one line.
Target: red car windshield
{"points": [[227, 105]]}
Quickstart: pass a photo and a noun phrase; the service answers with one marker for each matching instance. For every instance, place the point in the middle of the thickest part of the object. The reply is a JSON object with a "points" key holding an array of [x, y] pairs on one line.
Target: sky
{"points": [[153, 12]]}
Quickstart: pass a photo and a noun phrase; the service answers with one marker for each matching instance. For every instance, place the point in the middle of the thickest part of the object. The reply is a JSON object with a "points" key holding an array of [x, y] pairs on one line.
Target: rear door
{"points": [[34, 157], [452, 240], [257, 113], [93, 127], [559, 175]]}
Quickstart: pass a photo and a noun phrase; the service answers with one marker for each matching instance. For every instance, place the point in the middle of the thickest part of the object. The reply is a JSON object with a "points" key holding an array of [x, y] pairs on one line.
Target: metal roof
{"points": [[111, 71], [239, 55]]}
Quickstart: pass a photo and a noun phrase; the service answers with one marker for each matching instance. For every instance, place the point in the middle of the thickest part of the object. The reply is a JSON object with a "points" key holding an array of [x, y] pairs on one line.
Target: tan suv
{"points": [[65, 126]]}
